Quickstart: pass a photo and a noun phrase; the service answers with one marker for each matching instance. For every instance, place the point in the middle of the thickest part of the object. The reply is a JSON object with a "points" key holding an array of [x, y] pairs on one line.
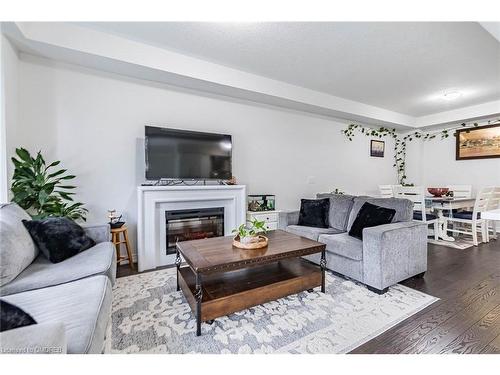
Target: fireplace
{"points": [[192, 224], [154, 201]]}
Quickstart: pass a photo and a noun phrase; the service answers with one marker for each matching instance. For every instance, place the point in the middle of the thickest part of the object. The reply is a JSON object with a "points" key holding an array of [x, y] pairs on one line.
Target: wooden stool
{"points": [[115, 238]]}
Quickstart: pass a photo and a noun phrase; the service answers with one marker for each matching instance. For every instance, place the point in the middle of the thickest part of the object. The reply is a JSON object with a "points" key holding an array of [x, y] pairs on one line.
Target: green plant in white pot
{"points": [[247, 235]]}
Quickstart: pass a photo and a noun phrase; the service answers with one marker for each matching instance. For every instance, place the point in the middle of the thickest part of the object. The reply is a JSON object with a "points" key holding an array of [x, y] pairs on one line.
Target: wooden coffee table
{"points": [[220, 279]]}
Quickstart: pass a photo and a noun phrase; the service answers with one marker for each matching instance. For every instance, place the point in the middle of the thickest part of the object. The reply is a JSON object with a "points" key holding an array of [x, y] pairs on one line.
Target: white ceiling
{"points": [[402, 67]]}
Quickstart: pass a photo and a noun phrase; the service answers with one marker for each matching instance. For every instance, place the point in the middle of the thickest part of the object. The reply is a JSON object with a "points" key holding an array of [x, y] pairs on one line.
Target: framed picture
{"points": [[478, 143], [377, 148]]}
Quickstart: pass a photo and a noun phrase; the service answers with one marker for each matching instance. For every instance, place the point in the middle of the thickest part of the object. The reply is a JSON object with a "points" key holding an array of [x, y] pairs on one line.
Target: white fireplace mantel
{"points": [[154, 201]]}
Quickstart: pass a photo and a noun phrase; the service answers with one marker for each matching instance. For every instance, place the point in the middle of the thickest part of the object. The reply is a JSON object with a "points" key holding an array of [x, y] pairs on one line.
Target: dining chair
{"points": [[461, 191], [473, 218], [417, 196], [387, 191], [493, 204]]}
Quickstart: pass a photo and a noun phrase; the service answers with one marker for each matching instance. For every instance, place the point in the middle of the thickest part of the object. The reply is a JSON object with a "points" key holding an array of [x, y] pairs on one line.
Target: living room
{"points": [[243, 187]]}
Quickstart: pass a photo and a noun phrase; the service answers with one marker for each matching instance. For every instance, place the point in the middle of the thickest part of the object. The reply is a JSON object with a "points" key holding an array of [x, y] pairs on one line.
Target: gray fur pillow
{"points": [[58, 238]]}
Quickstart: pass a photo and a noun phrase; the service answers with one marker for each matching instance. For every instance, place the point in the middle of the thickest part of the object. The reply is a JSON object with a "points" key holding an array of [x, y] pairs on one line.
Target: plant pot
{"points": [[249, 239]]}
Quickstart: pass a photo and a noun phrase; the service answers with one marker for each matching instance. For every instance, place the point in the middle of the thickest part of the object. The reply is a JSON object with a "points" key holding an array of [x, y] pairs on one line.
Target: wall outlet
{"points": [[311, 180]]}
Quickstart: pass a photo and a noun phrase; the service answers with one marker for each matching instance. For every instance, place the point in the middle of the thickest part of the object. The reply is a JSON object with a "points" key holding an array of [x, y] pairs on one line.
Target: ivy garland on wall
{"points": [[400, 141]]}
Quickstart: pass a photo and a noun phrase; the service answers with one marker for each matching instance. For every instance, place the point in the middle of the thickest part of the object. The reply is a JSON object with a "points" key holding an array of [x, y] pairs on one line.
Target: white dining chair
{"points": [[493, 204], [473, 218], [387, 191], [461, 191], [417, 196]]}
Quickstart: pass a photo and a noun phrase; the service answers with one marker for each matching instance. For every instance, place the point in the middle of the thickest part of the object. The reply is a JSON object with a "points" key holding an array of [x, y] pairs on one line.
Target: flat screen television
{"points": [[181, 154]]}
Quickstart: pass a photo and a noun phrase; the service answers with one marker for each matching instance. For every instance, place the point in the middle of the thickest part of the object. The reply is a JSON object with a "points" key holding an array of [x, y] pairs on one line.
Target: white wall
{"points": [[432, 163], [94, 122], [8, 110], [438, 167], [98, 124], [29, 126]]}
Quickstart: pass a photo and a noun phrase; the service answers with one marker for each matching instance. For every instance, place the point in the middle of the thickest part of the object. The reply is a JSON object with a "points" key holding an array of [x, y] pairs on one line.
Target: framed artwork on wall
{"points": [[377, 148], [478, 143]]}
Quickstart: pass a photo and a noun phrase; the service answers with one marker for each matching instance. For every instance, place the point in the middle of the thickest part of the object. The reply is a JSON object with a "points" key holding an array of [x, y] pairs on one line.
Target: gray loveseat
{"points": [[70, 300], [388, 253]]}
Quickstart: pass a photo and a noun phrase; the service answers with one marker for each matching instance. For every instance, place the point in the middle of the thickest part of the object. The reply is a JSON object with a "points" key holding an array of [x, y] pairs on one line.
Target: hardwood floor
{"points": [[466, 319], [124, 270]]}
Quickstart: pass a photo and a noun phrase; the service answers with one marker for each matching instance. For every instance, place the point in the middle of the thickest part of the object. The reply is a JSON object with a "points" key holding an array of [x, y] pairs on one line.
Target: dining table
{"points": [[444, 206]]}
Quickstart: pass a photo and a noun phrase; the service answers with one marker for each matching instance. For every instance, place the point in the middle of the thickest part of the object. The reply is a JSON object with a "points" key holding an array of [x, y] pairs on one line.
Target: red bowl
{"points": [[438, 192]]}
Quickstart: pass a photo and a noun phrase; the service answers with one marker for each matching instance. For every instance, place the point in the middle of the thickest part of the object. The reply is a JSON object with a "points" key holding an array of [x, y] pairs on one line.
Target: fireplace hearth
{"points": [[192, 224]]}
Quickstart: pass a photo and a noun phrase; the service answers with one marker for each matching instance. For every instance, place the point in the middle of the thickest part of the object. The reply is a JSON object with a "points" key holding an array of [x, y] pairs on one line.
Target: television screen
{"points": [[181, 154]]}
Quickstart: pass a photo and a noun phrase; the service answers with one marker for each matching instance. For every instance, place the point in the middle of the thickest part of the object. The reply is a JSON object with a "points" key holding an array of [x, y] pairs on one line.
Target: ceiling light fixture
{"points": [[452, 95]]}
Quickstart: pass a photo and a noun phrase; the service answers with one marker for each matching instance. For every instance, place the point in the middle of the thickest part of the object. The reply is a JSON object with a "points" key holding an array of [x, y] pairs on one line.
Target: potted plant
{"points": [[251, 237], [42, 191]]}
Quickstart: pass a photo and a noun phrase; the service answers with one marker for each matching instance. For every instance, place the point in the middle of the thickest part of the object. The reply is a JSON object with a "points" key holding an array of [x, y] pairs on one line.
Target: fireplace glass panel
{"points": [[186, 225]]}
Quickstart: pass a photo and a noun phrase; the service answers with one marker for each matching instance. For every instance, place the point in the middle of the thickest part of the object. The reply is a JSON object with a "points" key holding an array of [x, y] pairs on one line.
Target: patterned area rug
{"points": [[150, 316], [460, 243]]}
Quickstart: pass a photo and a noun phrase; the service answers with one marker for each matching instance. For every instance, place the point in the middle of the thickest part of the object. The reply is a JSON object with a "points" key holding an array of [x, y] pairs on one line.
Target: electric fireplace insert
{"points": [[193, 224]]}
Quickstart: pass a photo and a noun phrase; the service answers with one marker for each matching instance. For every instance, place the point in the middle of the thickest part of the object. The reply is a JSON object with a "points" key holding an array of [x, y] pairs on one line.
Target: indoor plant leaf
{"points": [[24, 155], [40, 194]]}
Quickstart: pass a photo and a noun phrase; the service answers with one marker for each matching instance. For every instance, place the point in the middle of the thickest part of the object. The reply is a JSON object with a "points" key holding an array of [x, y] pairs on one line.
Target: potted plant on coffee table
{"points": [[251, 237]]}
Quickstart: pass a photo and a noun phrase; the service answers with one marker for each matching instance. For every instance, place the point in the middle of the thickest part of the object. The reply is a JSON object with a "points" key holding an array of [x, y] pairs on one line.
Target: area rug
{"points": [[150, 316], [460, 243]]}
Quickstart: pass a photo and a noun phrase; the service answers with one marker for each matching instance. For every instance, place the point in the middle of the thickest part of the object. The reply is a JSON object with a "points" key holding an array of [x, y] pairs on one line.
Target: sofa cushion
{"points": [[100, 259], [12, 317], [58, 238], [345, 266], [403, 207], [17, 249], [344, 245], [310, 232], [83, 306], [45, 338], [314, 212], [340, 207]]}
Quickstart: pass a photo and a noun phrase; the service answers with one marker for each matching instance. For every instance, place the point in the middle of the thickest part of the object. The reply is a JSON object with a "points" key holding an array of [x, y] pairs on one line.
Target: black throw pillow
{"points": [[368, 216], [58, 238], [13, 317], [314, 212]]}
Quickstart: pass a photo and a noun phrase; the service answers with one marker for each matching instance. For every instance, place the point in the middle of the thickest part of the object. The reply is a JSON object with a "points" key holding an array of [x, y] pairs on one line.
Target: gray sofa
{"points": [[70, 300], [388, 253]]}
